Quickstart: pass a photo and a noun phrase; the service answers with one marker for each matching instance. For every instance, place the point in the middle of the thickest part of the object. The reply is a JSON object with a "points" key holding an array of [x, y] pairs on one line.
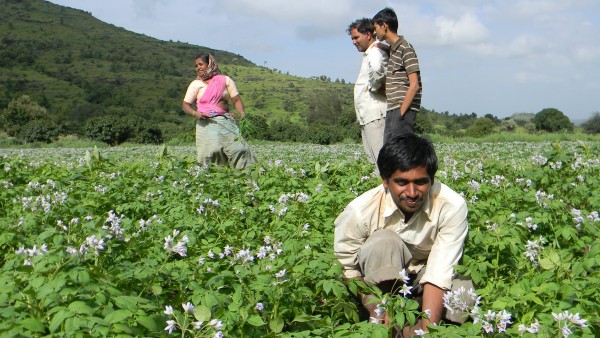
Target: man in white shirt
{"points": [[409, 222], [369, 90]]}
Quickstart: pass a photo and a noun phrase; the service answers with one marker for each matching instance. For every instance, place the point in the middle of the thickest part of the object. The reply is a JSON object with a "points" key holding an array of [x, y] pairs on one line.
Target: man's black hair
{"points": [[406, 152], [387, 16], [363, 26]]}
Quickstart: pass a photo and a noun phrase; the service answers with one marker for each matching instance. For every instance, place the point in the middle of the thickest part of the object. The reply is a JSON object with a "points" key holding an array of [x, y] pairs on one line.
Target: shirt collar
{"points": [[398, 42], [391, 207]]}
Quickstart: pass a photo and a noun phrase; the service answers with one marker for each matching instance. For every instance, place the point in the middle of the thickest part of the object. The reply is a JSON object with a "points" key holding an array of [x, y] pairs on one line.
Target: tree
{"points": [[509, 125], [481, 127], [592, 126], [21, 111], [324, 107], [39, 131], [423, 124], [107, 129], [552, 120]]}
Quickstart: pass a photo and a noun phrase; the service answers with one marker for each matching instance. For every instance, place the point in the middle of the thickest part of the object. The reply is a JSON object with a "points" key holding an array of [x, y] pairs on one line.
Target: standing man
{"points": [[403, 77], [369, 89], [409, 222]]}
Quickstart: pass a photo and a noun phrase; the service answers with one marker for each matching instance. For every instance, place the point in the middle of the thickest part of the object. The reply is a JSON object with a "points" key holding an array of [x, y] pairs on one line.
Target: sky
{"points": [[497, 57]]}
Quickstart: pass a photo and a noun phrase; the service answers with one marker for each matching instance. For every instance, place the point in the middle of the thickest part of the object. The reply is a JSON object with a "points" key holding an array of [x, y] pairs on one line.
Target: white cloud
{"points": [[465, 30]]}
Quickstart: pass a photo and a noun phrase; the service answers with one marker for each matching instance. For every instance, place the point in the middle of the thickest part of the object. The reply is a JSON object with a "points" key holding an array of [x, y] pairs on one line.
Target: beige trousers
{"points": [[372, 138], [384, 255]]}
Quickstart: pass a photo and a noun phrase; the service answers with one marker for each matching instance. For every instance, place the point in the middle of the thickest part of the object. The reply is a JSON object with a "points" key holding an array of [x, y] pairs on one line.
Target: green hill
{"points": [[79, 67]]}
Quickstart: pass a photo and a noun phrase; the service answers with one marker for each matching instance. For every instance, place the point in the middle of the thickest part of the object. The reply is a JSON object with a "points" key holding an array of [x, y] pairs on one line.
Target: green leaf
{"points": [[118, 316], [276, 324], [152, 323], [59, 318], [80, 307], [202, 313], [126, 302], [33, 324], [255, 320]]}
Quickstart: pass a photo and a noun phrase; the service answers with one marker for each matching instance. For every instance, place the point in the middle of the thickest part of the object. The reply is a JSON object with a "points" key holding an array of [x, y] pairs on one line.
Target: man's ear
{"points": [[385, 182]]}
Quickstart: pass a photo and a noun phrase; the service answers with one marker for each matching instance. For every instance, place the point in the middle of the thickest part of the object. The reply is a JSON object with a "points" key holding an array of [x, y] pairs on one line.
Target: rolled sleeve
{"points": [[447, 249], [376, 61]]}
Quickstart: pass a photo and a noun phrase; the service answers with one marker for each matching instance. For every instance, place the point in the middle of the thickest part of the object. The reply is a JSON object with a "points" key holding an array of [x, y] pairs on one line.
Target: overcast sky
{"points": [[495, 57]]}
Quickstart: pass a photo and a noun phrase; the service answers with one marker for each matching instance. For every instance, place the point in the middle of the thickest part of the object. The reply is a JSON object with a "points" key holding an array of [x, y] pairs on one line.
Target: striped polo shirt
{"points": [[403, 61]]}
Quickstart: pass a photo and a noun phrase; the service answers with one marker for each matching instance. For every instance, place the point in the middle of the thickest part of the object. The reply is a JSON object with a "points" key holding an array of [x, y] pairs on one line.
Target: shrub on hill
{"points": [[39, 131], [115, 130], [592, 126], [552, 120]]}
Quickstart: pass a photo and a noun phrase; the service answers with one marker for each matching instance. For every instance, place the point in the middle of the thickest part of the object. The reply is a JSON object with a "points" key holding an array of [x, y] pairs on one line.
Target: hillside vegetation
{"points": [[78, 67], [64, 72]]}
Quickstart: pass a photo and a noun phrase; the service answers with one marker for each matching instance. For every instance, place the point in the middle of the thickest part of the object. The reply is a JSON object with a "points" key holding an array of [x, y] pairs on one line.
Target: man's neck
{"points": [[392, 38]]}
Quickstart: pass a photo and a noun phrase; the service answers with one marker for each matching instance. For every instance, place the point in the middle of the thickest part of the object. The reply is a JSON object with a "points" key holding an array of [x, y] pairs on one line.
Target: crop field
{"points": [[142, 241]]}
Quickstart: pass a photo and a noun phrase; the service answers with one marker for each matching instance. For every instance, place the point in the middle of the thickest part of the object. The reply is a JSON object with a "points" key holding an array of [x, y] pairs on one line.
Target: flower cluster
{"points": [[461, 300], [529, 224], [215, 326], [178, 248], [30, 253], [113, 225], [578, 217], [533, 249], [564, 320], [542, 198], [494, 320], [532, 328]]}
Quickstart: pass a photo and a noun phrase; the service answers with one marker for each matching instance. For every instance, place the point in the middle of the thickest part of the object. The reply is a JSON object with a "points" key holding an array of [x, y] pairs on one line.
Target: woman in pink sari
{"points": [[218, 138]]}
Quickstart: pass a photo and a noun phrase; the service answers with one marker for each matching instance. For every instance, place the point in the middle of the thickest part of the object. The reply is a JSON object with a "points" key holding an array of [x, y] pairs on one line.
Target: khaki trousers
{"points": [[372, 138], [384, 255]]}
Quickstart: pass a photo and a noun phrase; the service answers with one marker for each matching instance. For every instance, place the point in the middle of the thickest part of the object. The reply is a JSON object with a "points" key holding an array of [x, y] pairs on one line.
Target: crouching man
{"points": [[409, 222]]}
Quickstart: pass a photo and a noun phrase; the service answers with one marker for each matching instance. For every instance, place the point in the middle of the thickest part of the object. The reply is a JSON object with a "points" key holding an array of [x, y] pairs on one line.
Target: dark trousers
{"points": [[396, 125]]}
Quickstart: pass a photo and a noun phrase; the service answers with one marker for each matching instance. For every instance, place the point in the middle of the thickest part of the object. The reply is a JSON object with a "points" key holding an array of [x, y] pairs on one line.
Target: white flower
{"points": [[280, 274], [198, 325], [217, 324], [259, 306], [420, 332], [404, 276], [188, 307], [170, 326], [168, 310]]}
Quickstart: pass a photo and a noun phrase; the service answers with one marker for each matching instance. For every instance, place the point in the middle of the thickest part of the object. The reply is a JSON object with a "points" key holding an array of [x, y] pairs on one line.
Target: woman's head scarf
{"points": [[212, 69]]}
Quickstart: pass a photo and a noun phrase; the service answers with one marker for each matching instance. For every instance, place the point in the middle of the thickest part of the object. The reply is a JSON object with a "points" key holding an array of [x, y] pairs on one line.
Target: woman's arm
{"points": [[189, 110], [239, 106]]}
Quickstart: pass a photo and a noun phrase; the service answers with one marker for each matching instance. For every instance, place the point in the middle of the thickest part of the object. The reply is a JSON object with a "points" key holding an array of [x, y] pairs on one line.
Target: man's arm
{"points": [[433, 303], [377, 61], [413, 88]]}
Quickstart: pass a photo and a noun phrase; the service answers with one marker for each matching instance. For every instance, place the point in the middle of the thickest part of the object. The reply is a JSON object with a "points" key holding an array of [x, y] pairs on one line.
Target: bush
{"points": [[552, 120], [592, 126], [19, 112], [286, 131], [423, 124], [107, 129], [324, 134], [254, 127], [115, 130], [39, 131], [481, 127]]}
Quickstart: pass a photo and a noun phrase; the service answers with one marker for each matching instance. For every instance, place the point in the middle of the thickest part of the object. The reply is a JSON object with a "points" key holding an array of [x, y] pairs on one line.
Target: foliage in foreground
{"points": [[128, 243]]}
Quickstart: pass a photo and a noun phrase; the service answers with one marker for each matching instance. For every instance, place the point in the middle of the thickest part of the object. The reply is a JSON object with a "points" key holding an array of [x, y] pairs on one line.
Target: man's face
{"points": [[380, 31], [409, 189], [360, 40]]}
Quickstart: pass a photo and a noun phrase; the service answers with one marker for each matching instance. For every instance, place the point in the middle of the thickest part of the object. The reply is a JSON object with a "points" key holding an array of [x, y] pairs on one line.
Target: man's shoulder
{"points": [[368, 200], [441, 193]]}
